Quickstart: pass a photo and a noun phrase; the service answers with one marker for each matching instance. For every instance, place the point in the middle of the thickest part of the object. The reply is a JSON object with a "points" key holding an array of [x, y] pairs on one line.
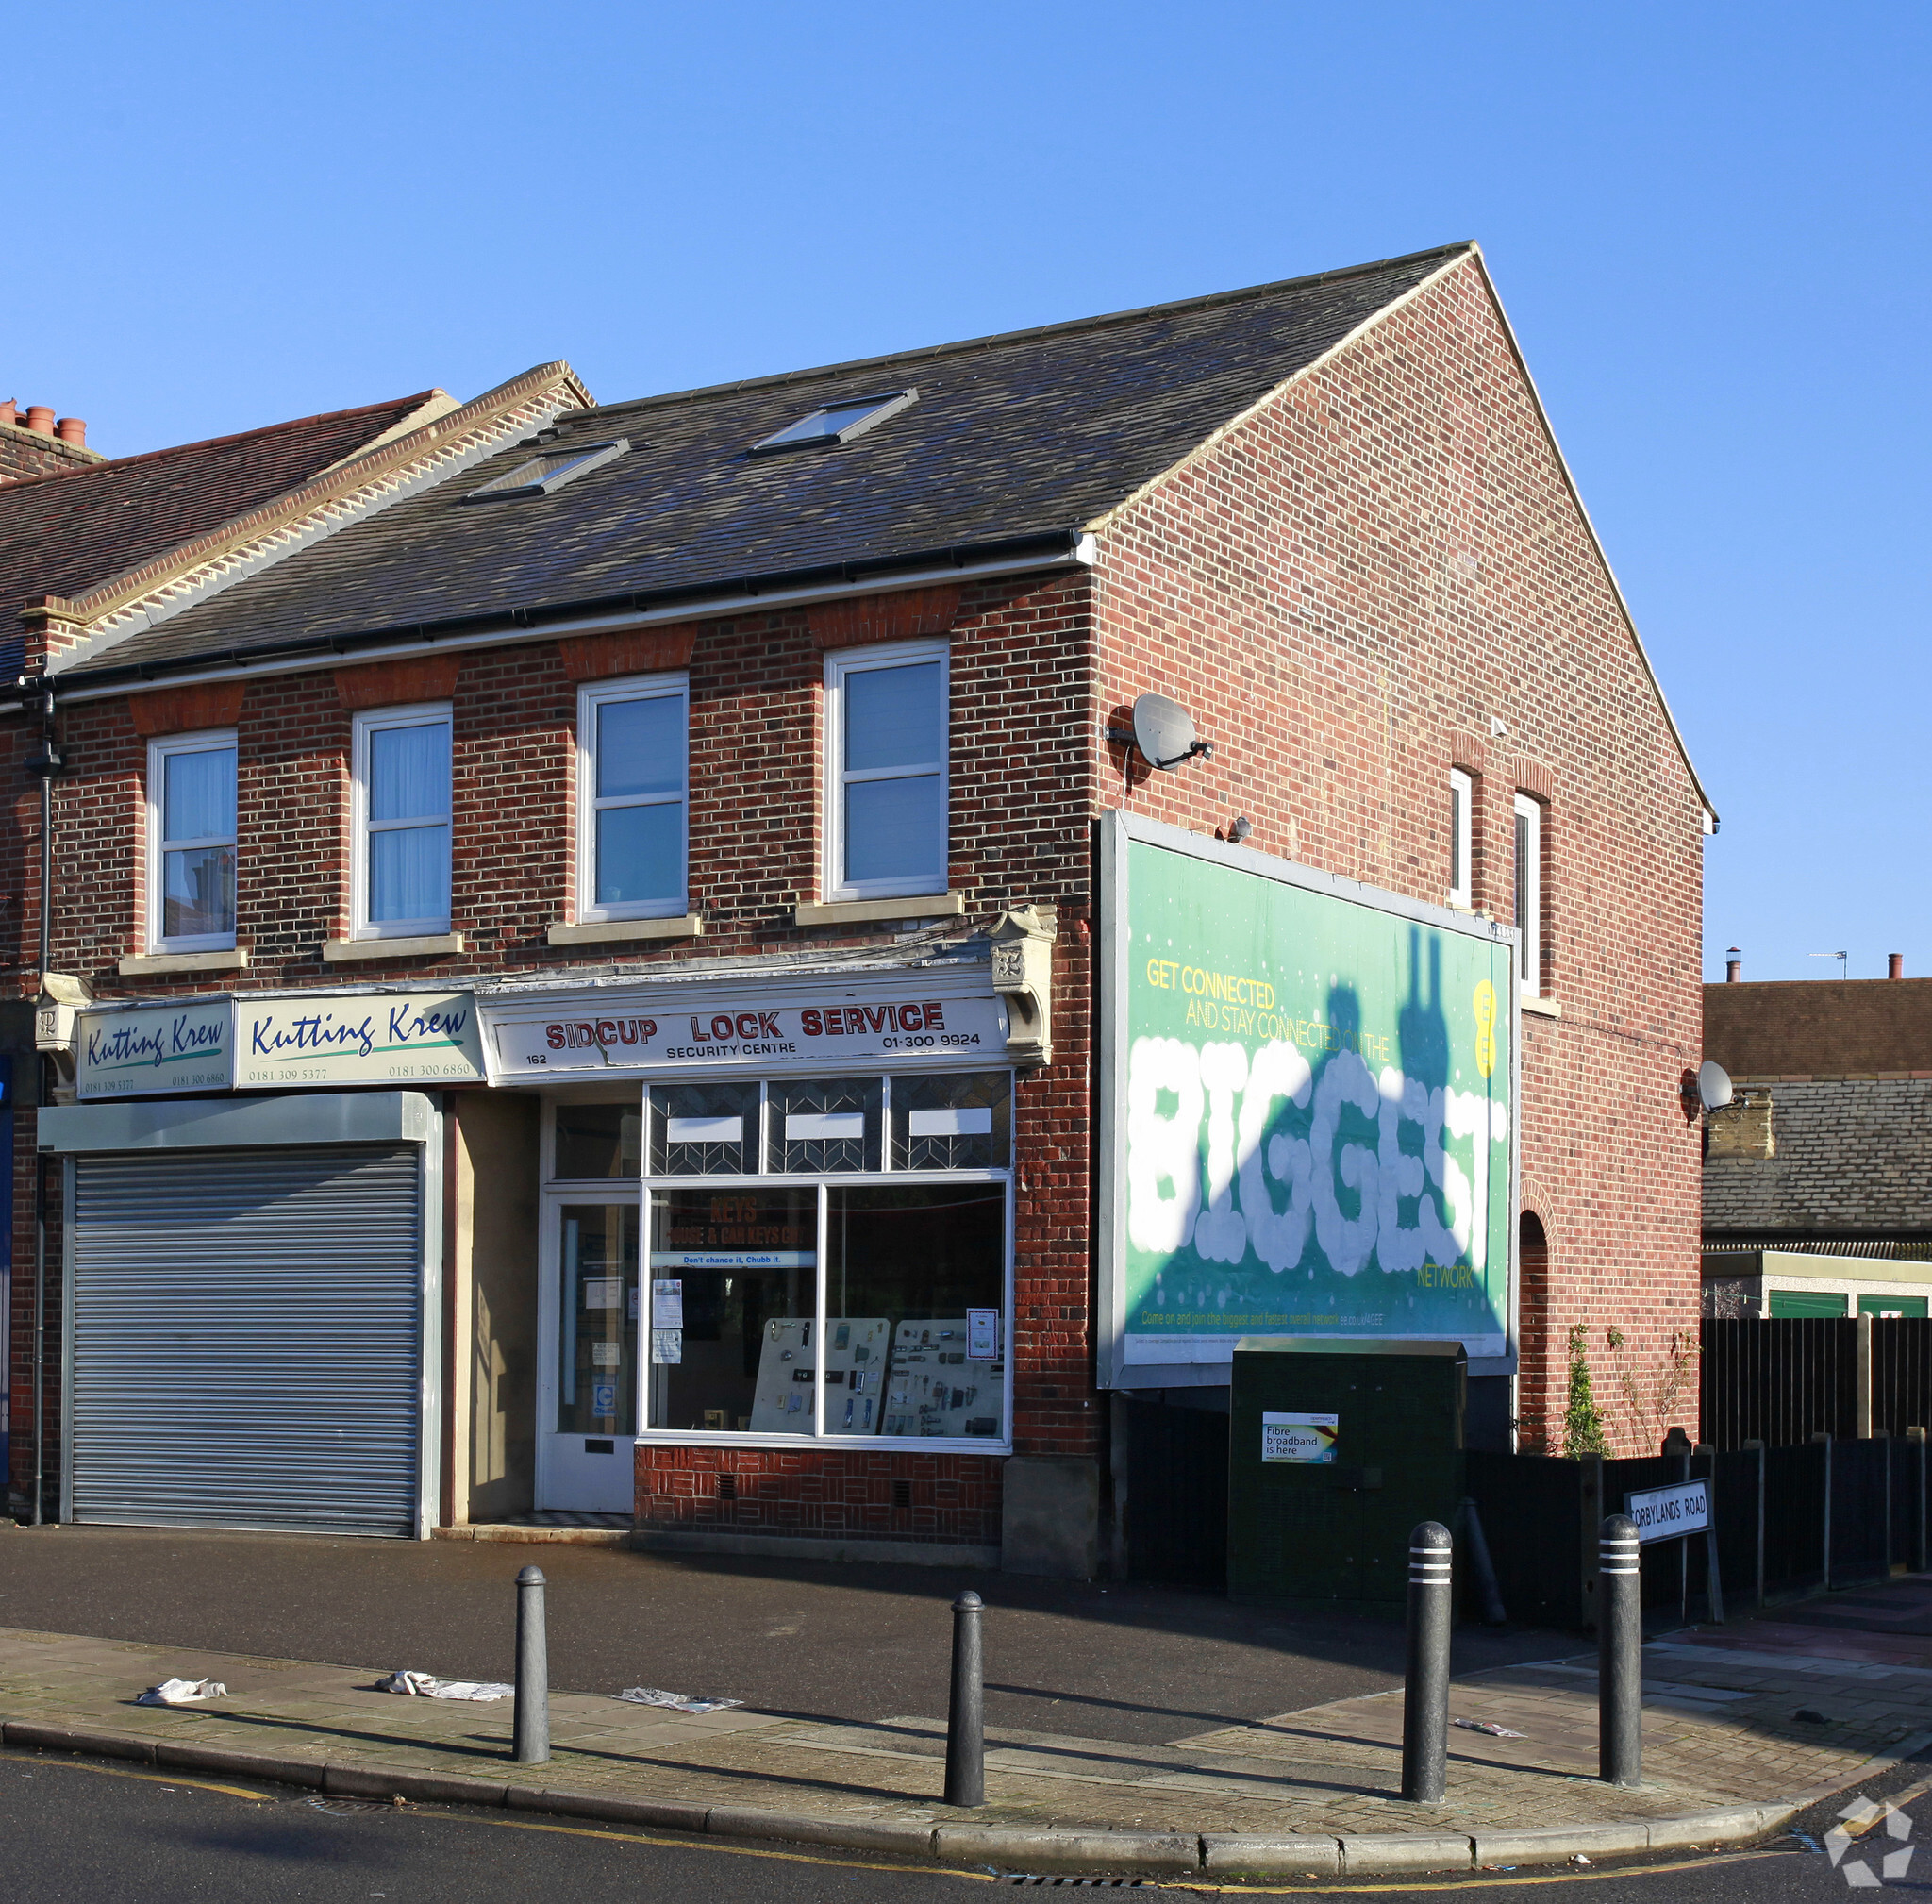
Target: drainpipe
{"points": [[47, 763]]}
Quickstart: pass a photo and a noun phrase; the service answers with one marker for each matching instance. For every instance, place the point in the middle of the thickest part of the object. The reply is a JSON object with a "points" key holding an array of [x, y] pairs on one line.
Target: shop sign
{"points": [[1309, 1092], [187, 1045], [834, 1029], [391, 1038]]}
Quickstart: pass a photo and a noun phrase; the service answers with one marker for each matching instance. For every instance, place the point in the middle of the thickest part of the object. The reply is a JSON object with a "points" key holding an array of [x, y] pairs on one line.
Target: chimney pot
{"points": [[1734, 966], [39, 418], [9, 412], [71, 429], [1895, 966]]}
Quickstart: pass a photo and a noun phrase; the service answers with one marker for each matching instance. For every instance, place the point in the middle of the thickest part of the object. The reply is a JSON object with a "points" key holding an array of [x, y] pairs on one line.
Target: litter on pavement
{"points": [[426, 1686], [1485, 1726], [676, 1702], [182, 1693]]}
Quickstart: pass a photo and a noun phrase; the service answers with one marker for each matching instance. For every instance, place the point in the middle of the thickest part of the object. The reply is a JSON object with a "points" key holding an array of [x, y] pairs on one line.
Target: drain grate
{"points": [[1084, 1883]]}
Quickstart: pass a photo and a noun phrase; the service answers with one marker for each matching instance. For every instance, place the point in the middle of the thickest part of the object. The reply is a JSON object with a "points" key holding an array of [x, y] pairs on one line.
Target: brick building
{"points": [[33, 443], [1818, 1175], [590, 979]]}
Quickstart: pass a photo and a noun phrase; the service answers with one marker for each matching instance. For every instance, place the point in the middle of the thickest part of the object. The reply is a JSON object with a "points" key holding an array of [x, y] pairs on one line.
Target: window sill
{"points": [[865, 911], [612, 931], [159, 965], [347, 951], [1543, 1008]]}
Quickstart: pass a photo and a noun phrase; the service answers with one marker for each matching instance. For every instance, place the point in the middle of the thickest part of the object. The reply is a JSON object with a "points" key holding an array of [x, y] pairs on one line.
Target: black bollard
{"points": [[531, 1729], [1620, 1654], [1425, 1691], [965, 1712]]}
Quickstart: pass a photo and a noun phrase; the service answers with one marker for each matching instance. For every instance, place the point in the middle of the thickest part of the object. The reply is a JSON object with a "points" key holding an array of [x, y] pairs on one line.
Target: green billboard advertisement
{"points": [[1310, 1094]]}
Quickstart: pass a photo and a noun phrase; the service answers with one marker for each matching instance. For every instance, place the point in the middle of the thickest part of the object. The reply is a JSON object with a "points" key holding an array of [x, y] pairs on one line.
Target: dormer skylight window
{"points": [[837, 423], [549, 470]]}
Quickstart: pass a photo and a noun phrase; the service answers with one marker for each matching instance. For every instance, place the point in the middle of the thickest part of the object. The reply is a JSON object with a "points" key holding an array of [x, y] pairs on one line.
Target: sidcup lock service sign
{"points": [[910, 1020]]}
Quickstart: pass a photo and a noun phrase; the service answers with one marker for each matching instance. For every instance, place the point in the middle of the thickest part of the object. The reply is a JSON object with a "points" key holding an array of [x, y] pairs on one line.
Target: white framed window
{"points": [[1461, 801], [402, 823], [191, 838], [1529, 892], [632, 767], [886, 801]]}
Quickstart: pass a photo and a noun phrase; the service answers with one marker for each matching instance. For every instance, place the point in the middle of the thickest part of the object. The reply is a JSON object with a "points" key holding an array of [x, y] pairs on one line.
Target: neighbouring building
{"points": [[34, 444], [643, 969], [1817, 1176]]}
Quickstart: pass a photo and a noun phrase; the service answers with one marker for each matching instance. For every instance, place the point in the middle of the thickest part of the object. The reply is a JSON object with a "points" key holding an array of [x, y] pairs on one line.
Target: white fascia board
{"points": [[1084, 555]]}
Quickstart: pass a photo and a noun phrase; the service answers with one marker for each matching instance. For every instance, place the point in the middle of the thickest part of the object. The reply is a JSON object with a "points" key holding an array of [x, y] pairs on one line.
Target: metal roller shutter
{"points": [[247, 1339]]}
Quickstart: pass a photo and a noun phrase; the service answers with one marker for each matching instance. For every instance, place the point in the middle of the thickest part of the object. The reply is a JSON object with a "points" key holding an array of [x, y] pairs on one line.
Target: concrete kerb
{"points": [[1100, 1853]]}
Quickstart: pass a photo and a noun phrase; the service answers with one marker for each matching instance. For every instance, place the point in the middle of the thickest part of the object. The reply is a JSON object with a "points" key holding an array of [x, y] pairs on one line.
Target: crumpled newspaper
{"points": [[676, 1702], [1494, 1731], [426, 1686], [182, 1693]]}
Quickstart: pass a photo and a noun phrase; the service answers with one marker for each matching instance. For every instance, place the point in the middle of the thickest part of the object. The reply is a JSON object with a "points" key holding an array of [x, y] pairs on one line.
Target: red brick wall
{"points": [[1373, 565], [1020, 836], [1346, 587], [822, 1493]]}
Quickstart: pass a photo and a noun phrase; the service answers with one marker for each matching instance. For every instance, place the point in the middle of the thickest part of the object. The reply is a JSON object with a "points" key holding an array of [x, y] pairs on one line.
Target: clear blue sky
{"points": [[1708, 223]]}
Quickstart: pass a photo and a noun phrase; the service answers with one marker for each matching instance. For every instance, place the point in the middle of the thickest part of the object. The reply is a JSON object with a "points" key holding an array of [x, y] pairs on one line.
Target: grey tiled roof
{"points": [[1854, 1157], [1014, 437]]}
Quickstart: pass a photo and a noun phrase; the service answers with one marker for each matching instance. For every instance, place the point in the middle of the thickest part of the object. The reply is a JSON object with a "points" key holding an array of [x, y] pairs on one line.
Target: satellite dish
{"points": [[1713, 1085], [1164, 733]]}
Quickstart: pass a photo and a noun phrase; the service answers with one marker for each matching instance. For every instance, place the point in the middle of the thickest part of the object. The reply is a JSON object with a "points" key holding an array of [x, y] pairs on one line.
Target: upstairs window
{"points": [[836, 423], [1529, 892], [1461, 801], [548, 471], [631, 771], [402, 821], [887, 796], [190, 795]]}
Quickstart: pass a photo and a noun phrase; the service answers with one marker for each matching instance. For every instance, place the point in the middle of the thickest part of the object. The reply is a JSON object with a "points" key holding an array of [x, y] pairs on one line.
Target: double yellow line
{"points": [[1408, 1887]]}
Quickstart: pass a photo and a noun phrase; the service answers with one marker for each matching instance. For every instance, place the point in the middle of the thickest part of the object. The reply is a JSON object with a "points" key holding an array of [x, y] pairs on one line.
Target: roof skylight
{"points": [[549, 470], [837, 423]]}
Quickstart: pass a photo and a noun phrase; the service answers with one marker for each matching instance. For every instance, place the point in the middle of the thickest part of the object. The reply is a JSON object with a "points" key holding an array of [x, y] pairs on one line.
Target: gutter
{"points": [[783, 587]]}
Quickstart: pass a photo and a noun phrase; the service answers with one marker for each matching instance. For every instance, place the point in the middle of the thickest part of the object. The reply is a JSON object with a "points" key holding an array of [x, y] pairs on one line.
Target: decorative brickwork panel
{"points": [[904, 616], [627, 651], [185, 710], [395, 684]]}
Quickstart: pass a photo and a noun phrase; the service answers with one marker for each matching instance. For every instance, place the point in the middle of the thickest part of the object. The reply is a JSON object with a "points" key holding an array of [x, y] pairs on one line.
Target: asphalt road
{"points": [[81, 1833], [1133, 1663]]}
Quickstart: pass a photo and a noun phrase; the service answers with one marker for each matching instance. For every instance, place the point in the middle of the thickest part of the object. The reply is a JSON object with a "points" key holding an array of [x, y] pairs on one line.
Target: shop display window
{"points": [[596, 1348], [917, 1272], [734, 1292], [597, 1140], [822, 1256], [956, 1121], [704, 1130], [825, 1124]]}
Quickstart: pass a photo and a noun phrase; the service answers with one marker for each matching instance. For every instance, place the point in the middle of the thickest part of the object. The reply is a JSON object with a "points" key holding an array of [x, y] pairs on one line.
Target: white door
{"points": [[587, 1424]]}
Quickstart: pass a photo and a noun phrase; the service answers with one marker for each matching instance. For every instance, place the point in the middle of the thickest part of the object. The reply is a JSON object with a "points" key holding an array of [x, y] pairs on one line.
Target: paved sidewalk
{"points": [[1314, 1790], [1134, 1663]]}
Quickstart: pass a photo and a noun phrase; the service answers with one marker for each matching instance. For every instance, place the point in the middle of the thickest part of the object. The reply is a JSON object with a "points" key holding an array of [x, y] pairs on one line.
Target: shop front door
{"points": [[588, 1421]]}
